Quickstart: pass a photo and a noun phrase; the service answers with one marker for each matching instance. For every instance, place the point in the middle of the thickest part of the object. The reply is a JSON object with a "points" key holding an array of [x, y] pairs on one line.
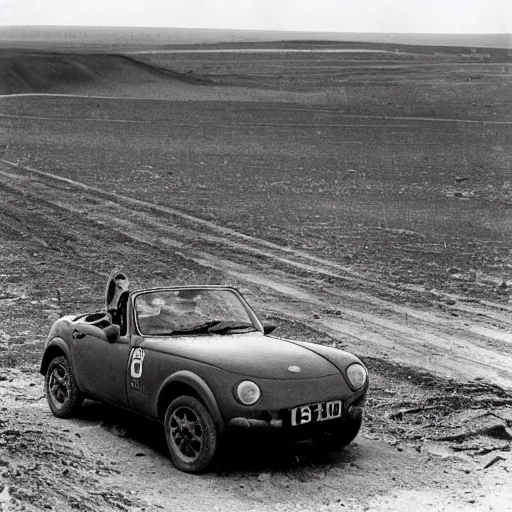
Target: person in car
{"points": [[116, 299]]}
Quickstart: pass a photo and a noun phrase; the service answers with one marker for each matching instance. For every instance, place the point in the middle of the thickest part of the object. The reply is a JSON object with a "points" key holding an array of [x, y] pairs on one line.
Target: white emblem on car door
{"points": [[136, 365]]}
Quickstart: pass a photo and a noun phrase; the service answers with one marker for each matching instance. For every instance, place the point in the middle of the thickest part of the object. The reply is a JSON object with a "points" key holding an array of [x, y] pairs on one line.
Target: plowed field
{"points": [[361, 200]]}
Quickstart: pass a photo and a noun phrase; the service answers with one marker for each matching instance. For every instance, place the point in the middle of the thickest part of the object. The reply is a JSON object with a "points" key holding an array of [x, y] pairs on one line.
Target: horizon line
{"points": [[259, 30]]}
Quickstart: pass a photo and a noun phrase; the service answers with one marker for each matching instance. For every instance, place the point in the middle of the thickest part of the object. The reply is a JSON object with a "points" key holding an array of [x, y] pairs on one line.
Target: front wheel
{"points": [[62, 392], [191, 434]]}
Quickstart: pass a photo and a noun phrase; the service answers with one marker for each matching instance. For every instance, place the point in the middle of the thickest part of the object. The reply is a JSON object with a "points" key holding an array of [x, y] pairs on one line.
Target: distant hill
{"points": [[129, 36], [90, 74]]}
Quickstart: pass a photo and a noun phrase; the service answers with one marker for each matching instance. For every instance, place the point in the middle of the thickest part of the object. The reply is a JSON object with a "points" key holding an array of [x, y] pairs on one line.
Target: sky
{"points": [[406, 16]]}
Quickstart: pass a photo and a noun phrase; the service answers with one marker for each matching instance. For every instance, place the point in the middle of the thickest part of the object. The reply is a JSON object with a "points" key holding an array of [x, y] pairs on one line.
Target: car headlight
{"points": [[248, 392], [357, 374]]}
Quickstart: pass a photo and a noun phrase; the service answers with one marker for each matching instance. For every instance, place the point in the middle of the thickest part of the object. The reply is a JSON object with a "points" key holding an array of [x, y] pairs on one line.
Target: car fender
{"points": [[199, 386], [55, 345]]}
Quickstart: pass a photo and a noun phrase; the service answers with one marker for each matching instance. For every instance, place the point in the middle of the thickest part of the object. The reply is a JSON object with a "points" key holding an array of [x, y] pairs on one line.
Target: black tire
{"points": [[62, 392], [341, 435], [191, 434]]}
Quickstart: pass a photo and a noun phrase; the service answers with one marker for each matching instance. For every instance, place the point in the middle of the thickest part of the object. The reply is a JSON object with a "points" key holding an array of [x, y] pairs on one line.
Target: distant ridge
{"points": [[129, 36], [89, 74]]}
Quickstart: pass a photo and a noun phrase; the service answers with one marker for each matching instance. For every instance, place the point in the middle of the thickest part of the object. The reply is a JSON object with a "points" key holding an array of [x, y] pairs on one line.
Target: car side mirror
{"points": [[112, 333], [268, 327]]}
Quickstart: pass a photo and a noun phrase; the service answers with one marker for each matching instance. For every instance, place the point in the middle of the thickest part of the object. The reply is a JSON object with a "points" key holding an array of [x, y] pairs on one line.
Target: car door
{"points": [[139, 376], [100, 366]]}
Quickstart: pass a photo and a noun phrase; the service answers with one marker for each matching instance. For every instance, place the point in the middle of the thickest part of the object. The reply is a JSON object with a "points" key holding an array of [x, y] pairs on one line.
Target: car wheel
{"points": [[62, 391], [191, 434], [340, 436]]}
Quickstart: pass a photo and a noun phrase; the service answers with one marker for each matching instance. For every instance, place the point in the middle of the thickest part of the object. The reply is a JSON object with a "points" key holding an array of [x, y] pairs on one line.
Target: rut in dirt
{"points": [[359, 310]]}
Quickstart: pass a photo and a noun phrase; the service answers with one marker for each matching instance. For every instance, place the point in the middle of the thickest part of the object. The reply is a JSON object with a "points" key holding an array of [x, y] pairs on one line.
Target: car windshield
{"points": [[191, 311]]}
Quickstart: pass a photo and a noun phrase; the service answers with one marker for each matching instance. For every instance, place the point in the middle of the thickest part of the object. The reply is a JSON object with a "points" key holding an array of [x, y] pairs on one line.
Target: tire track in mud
{"points": [[254, 245], [296, 285]]}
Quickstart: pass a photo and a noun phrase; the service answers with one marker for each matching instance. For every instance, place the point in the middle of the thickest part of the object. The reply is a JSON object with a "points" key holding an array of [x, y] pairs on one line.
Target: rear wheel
{"points": [[191, 434], [62, 392]]}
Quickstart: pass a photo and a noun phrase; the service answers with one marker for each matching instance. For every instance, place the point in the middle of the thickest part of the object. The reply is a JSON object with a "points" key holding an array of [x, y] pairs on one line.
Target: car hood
{"points": [[250, 354]]}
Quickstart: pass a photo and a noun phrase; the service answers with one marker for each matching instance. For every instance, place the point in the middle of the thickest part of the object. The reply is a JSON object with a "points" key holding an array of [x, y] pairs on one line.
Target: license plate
{"points": [[316, 412]]}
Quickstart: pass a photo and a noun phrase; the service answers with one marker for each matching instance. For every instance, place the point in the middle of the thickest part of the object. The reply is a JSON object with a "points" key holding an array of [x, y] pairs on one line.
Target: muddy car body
{"points": [[198, 360]]}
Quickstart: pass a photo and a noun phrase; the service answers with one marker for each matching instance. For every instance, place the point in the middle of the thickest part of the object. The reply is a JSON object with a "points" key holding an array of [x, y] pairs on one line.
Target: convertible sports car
{"points": [[198, 360]]}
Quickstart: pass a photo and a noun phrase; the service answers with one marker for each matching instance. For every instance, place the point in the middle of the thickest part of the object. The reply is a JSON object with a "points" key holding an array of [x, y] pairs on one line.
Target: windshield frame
{"points": [[252, 315]]}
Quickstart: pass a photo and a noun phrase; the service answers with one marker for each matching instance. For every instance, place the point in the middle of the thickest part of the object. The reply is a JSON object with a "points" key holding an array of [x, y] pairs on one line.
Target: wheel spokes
{"points": [[197, 432], [58, 384], [59, 379], [186, 432]]}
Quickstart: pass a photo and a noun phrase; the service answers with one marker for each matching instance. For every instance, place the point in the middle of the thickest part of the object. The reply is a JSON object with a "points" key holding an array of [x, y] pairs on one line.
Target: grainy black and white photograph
{"points": [[256, 256]]}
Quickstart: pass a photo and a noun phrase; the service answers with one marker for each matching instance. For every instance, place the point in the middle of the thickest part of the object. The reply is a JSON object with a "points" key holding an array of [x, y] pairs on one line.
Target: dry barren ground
{"points": [[360, 200]]}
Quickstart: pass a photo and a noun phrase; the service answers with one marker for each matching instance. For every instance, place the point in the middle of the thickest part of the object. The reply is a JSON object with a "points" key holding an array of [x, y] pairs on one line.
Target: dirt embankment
{"points": [[59, 73]]}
